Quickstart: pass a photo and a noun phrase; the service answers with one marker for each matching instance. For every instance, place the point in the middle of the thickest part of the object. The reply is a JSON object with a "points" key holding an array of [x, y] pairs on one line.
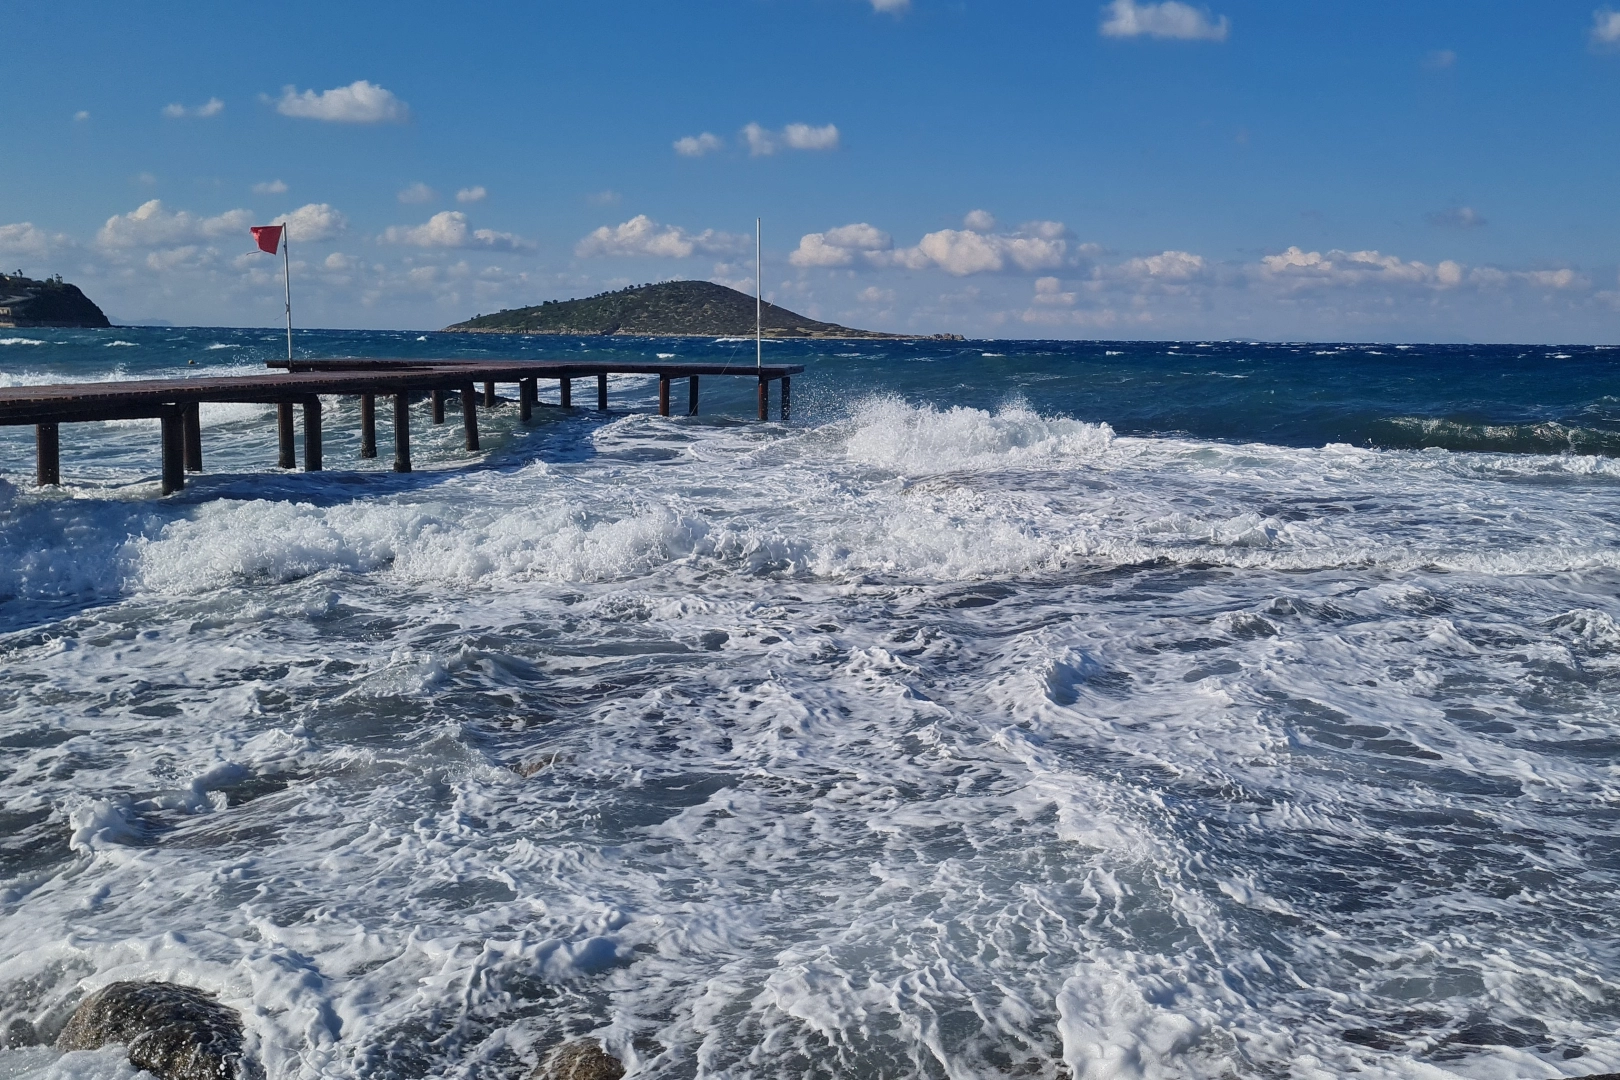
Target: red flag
{"points": [[268, 237]]}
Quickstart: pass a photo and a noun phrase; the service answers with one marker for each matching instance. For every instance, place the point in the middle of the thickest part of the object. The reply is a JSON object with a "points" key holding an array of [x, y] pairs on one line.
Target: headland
{"points": [[52, 302]]}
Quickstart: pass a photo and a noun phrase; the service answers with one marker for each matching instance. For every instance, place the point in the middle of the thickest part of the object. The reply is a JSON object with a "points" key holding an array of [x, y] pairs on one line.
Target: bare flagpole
{"points": [[759, 301], [286, 276]]}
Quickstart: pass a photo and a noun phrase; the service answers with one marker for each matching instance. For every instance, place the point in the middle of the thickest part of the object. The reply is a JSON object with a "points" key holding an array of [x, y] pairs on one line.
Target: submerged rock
{"points": [[173, 1032], [582, 1059]]}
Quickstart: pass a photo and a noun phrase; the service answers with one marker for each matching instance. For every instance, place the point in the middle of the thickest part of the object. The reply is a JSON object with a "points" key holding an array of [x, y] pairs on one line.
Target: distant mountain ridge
{"points": [[668, 309], [53, 302]]}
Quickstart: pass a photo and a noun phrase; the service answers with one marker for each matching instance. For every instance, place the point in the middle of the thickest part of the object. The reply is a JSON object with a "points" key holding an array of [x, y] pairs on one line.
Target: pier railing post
{"points": [[469, 415], [402, 431], [691, 396], [192, 420], [48, 445], [438, 406], [368, 425], [601, 392], [312, 435], [284, 434], [663, 395], [528, 392], [489, 394], [764, 398], [174, 449], [787, 384], [565, 392]]}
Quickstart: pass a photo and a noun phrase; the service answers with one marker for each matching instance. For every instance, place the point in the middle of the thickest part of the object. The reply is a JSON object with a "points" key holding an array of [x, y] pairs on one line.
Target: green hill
{"points": [[669, 309], [52, 302]]}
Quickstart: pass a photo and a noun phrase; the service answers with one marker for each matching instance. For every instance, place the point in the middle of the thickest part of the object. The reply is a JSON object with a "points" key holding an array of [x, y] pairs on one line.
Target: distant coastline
{"points": [[669, 309]]}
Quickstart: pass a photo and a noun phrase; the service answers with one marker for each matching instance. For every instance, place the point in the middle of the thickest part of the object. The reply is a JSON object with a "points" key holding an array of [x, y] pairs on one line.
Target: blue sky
{"points": [[1246, 168]]}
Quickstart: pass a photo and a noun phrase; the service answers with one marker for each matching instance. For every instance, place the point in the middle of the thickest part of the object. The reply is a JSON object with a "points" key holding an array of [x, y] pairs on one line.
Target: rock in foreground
{"points": [[583, 1059], [173, 1032]]}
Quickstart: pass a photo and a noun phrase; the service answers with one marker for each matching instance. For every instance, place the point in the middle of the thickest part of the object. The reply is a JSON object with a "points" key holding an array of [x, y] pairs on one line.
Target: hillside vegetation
{"points": [[52, 302], [668, 309]]}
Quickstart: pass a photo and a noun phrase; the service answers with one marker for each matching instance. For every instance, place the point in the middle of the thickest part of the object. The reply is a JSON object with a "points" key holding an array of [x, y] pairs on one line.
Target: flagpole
{"points": [[759, 348], [286, 276]]}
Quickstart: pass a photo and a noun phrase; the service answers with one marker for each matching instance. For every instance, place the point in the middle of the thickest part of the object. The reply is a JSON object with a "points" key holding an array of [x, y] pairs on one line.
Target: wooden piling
{"points": [[528, 392], [192, 422], [663, 395], [312, 435], [402, 430], [489, 394], [764, 398], [174, 450], [787, 384], [601, 392], [691, 396], [284, 434], [469, 416], [48, 446], [438, 406], [368, 425], [565, 392]]}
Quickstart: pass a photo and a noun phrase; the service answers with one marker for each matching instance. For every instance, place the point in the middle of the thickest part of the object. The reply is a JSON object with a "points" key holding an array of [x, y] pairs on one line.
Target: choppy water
{"points": [[1019, 710]]}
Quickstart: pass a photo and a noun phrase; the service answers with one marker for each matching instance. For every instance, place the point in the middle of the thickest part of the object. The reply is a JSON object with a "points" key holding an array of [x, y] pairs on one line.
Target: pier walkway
{"points": [[175, 402]]}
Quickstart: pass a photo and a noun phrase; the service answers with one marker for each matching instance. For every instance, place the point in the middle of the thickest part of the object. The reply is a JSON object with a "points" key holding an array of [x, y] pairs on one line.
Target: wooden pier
{"points": [[175, 403]]}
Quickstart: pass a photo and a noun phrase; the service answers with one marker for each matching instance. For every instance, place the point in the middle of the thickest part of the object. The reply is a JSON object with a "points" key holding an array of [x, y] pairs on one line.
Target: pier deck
{"points": [[175, 402]]}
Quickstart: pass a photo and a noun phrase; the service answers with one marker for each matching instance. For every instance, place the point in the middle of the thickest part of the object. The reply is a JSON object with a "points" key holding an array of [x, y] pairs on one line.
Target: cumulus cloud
{"points": [[1171, 19], [24, 239], [82, 114], [641, 235], [312, 222], [874, 295], [449, 229], [698, 145], [1049, 292], [416, 193], [473, 194], [360, 102], [1456, 217], [979, 220], [762, 142], [1606, 28], [1167, 266], [840, 246], [150, 225], [270, 187], [1036, 245], [1298, 267], [212, 107]]}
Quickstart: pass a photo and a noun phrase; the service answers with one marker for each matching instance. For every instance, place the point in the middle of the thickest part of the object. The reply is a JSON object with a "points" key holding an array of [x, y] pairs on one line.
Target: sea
{"points": [[1015, 709]]}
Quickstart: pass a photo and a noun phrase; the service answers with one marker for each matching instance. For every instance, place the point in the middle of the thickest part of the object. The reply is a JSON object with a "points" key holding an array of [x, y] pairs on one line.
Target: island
{"points": [[25, 302], [667, 309]]}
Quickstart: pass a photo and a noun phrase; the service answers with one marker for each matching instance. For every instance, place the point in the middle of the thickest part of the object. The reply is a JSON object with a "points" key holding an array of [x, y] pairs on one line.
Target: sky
{"points": [[1265, 169]]}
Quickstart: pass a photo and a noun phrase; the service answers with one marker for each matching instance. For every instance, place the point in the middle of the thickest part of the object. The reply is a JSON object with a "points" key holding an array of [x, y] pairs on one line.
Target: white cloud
{"points": [[312, 222], [270, 187], [1299, 267], [24, 239], [698, 145], [641, 235], [1606, 27], [1551, 279], [81, 115], [1460, 217], [473, 194], [874, 295], [763, 142], [211, 107], [840, 246], [1049, 291], [1171, 19], [604, 198], [805, 137], [1169, 266], [360, 102], [891, 7], [150, 225], [417, 193], [1036, 245], [449, 229], [979, 220]]}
